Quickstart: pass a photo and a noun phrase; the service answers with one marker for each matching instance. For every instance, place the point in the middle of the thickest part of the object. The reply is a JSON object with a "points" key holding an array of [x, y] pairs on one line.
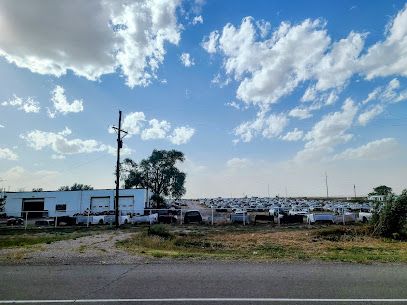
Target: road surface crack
{"points": [[116, 279]]}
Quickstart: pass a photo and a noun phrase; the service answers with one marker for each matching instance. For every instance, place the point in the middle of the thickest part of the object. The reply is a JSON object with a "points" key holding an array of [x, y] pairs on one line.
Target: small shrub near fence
{"points": [[160, 230]]}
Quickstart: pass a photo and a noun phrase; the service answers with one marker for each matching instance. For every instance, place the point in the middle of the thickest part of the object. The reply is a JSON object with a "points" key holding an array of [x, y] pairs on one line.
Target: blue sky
{"points": [[259, 95]]}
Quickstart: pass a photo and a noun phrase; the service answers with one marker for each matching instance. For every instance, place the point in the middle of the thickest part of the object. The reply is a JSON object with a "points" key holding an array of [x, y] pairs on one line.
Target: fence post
{"points": [[87, 222], [25, 223], [56, 221], [343, 216], [212, 213], [278, 218], [244, 217], [181, 217]]}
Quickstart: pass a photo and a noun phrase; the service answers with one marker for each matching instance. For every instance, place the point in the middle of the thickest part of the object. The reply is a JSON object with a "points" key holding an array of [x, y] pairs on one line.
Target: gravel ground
{"points": [[95, 249]]}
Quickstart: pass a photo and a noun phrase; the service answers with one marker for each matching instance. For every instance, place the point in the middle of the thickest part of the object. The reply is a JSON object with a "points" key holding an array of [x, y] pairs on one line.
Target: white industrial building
{"points": [[68, 203], [380, 198]]}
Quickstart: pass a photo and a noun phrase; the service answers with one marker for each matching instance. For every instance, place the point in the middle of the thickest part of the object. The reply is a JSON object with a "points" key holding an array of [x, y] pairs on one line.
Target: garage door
{"points": [[100, 204], [126, 203], [34, 208]]}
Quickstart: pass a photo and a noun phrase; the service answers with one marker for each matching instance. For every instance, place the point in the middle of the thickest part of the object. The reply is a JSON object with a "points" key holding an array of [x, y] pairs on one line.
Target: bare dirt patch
{"points": [[93, 249]]}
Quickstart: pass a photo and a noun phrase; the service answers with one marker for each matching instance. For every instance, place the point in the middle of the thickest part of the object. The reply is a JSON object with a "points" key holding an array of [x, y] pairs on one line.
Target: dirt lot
{"points": [[96, 248]]}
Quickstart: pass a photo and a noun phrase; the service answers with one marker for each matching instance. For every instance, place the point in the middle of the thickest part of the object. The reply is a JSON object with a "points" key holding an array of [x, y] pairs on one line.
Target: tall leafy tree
{"points": [[382, 190], [158, 172], [76, 187]]}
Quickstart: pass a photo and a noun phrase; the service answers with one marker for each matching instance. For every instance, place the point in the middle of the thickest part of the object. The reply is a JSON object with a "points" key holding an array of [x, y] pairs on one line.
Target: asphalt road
{"points": [[205, 283]]}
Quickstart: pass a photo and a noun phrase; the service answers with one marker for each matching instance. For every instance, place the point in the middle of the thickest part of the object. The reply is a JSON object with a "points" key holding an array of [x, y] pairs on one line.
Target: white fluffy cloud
{"points": [[233, 104], [274, 66], [237, 163], [300, 113], [370, 114], [187, 60], [90, 38], [61, 105], [330, 131], [269, 67], [197, 19], [181, 135], [28, 105], [157, 130], [61, 145], [294, 135], [21, 178], [210, 43], [389, 94], [135, 123], [384, 96], [374, 150], [8, 154], [268, 126], [388, 57], [336, 67]]}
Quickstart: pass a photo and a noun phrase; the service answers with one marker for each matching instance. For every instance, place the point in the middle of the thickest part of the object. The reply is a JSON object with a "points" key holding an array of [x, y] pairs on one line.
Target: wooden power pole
{"points": [[119, 146], [326, 184]]}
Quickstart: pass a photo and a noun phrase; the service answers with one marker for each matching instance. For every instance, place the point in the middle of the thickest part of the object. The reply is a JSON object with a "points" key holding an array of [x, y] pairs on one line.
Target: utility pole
{"points": [[354, 190], [326, 184], [119, 146]]}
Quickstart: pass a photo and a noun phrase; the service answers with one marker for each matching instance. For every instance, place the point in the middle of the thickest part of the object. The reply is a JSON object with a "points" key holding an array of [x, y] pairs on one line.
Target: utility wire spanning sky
{"points": [[261, 96]]}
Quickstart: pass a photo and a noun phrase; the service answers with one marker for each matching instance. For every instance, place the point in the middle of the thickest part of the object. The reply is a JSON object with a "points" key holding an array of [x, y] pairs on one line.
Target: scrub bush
{"points": [[160, 230], [390, 219]]}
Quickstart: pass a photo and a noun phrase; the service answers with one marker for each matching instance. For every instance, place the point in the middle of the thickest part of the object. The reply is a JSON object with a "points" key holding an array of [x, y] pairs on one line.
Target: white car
{"points": [[364, 216]]}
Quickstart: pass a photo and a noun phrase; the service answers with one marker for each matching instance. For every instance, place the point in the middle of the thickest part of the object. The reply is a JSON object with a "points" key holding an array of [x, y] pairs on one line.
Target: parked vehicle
{"points": [[322, 218], [153, 218], [291, 218], [276, 211], [45, 222], [240, 217], [297, 211], [263, 218], [101, 219], [192, 216], [14, 221], [365, 215], [66, 221], [347, 217], [165, 216]]}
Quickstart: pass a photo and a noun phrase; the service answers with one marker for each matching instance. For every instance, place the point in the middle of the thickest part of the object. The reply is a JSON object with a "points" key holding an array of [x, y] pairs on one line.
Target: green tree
{"points": [[75, 187], [39, 189], [390, 218], [382, 190], [158, 173]]}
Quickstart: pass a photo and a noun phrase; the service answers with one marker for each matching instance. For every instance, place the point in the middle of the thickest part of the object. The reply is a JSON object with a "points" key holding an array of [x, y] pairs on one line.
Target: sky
{"points": [[264, 98]]}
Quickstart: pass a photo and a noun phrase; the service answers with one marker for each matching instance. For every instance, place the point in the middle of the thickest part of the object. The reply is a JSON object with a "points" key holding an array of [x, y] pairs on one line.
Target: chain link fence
{"points": [[179, 216]]}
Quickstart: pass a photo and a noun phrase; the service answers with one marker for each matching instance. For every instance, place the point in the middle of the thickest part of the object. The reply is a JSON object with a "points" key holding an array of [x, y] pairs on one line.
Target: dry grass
{"points": [[332, 244]]}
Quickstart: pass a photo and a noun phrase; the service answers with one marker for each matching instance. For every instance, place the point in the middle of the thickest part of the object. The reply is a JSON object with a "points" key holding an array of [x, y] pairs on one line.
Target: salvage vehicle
{"points": [[192, 216], [240, 217], [14, 221], [45, 222], [365, 215], [165, 216], [320, 218]]}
